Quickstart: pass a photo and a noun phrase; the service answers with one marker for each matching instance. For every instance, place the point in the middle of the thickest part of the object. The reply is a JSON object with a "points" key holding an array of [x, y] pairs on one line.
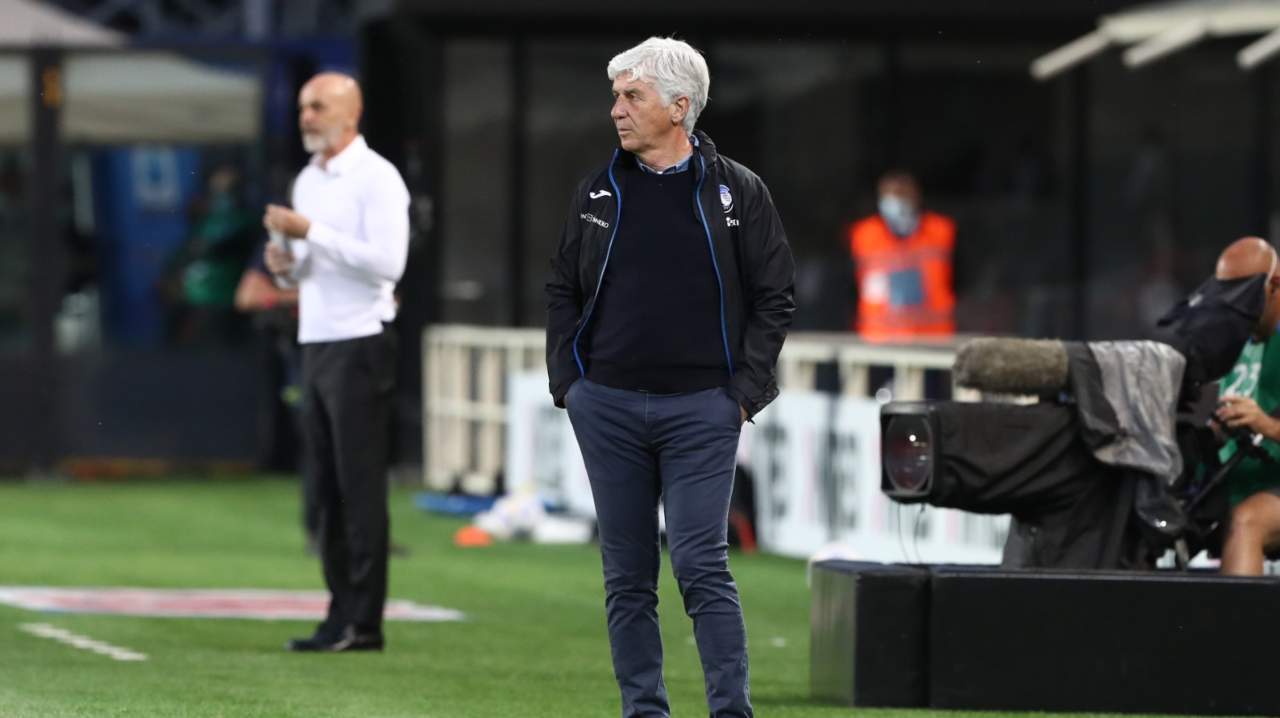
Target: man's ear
{"points": [[679, 110]]}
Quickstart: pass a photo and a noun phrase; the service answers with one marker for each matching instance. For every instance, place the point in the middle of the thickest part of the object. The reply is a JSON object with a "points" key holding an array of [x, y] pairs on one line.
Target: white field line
{"points": [[61, 635]]}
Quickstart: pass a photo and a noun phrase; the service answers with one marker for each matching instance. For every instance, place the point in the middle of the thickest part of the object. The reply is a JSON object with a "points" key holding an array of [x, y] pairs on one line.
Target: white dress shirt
{"points": [[355, 251]]}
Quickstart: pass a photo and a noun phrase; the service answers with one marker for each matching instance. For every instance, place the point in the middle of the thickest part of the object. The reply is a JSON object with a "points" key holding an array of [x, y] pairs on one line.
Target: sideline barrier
{"points": [[813, 456], [464, 400], [464, 394]]}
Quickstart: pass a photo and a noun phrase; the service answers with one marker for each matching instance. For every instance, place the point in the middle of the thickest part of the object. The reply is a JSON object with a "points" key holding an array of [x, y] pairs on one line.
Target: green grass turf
{"points": [[534, 643]]}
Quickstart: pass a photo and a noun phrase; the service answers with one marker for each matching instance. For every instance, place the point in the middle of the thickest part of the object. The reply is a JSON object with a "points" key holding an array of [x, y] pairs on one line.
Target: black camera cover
{"points": [[1211, 326]]}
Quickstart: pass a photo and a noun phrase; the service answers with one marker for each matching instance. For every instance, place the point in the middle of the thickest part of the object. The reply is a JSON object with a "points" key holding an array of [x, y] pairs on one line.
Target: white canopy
{"points": [[24, 23], [130, 97], [1158, 29], [120, 96]]}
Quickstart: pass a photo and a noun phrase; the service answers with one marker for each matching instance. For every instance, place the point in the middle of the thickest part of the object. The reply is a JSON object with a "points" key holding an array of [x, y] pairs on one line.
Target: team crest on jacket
{"points": [[726, 199]]}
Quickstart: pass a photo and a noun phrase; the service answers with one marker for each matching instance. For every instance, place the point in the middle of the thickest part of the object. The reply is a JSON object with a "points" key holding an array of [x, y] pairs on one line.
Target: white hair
{"points": [[674, 68]]}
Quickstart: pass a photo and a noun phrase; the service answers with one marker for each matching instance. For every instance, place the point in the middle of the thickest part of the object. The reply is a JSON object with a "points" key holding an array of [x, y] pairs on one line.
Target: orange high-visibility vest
{"points": [[904, 283]]}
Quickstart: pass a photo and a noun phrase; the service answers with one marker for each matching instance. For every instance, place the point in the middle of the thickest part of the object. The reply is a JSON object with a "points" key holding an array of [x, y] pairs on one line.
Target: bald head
{"points": [[1249, 257], [329, 108], [1244, 258]]}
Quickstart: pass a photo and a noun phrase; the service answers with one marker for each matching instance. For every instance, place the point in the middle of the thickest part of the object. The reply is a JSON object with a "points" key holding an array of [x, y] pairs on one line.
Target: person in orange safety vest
{"points": [[903, 267]]}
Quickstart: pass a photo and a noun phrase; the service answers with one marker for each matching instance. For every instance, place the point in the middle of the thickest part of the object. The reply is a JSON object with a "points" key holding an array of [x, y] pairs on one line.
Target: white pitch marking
{"points": [[61, 635]]}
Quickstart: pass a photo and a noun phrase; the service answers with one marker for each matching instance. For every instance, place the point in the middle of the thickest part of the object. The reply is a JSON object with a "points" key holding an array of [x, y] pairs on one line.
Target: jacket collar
{"points": [[674, 169], [704, 153], [703, 146]]}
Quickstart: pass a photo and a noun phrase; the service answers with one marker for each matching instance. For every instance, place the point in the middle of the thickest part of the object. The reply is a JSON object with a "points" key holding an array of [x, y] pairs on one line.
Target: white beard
{"points": [[314, 143]]}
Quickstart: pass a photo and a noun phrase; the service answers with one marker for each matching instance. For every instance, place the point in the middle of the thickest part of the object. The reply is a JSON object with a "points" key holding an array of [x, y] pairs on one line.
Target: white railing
{"points": [[464, 387]]}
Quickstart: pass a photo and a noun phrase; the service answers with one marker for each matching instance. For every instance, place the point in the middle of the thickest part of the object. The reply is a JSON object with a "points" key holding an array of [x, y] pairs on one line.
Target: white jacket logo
{"points": [[726, 201], [594, 219], [599, 194]]}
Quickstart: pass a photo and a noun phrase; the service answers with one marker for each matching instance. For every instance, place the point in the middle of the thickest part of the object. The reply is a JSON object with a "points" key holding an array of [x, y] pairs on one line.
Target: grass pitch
{"points": [[533, 645]]}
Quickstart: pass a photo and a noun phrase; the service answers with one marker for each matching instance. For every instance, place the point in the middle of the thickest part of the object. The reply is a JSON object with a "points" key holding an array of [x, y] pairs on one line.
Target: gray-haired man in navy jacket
{"points": [[669, 300]]}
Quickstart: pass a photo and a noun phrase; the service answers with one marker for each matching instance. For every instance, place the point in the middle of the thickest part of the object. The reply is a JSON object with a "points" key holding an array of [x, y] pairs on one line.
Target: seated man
{"points": [[1250, 395]]}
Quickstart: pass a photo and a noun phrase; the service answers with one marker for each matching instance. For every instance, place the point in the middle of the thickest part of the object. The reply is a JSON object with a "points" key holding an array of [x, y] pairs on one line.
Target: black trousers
{"points": [[347, 392]]}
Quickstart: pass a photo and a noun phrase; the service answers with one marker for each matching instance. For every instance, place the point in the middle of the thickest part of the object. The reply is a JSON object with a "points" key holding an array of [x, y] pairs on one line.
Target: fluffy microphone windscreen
{"points": [[1012, 366]]}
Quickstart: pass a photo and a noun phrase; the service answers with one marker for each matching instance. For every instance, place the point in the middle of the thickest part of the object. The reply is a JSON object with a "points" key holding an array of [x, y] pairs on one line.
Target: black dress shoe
{"points": [[309, 644], [349, 641], [352, 641]]}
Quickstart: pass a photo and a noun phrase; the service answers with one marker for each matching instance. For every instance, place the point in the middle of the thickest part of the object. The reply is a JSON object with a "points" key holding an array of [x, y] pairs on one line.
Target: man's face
{"points": [[900, 206], [903, 191], [320, 119], [223, 180], [641, 119]]}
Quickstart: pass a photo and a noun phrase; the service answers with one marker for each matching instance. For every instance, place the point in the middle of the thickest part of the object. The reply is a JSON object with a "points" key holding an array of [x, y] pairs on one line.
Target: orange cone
{"points": [[471, 537]]}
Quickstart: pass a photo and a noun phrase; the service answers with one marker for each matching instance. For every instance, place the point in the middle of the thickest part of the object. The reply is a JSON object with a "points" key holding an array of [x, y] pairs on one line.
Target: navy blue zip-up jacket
{"points": [[750, 256]]}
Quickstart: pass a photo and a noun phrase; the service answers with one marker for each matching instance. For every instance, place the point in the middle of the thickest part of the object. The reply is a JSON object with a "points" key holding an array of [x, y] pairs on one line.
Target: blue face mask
{"points": [[899, 214]]}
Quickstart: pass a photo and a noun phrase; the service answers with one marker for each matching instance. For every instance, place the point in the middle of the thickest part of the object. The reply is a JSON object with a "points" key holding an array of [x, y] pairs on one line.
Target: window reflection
{"points": [[1171, 180], [477, 162], [15, 252], [804, 116]]}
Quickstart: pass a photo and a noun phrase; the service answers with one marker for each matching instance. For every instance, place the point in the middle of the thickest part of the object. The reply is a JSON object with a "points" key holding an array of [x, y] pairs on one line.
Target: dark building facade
{"points": [[1084, 204]]}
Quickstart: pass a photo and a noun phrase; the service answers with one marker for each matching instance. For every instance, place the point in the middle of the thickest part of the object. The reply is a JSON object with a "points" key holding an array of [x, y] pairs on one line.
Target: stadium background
{"points": [[1085, 204]]}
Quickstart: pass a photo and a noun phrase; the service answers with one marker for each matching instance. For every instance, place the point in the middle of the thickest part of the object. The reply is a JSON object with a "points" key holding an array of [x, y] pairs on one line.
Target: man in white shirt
{"points": [[347, 241]]}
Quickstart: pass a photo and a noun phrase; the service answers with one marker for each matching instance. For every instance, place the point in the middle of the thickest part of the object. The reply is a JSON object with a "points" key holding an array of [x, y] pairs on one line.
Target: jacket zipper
{"points": [[617, 221], [697, 200]]}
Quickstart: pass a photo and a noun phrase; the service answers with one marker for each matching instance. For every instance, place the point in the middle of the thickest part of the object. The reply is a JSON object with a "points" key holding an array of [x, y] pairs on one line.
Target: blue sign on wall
{"points": [[141, 195]]}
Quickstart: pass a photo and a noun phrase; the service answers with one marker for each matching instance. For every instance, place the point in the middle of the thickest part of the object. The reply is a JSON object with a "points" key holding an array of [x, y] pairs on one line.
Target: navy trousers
{"points": [[640, 448]]}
